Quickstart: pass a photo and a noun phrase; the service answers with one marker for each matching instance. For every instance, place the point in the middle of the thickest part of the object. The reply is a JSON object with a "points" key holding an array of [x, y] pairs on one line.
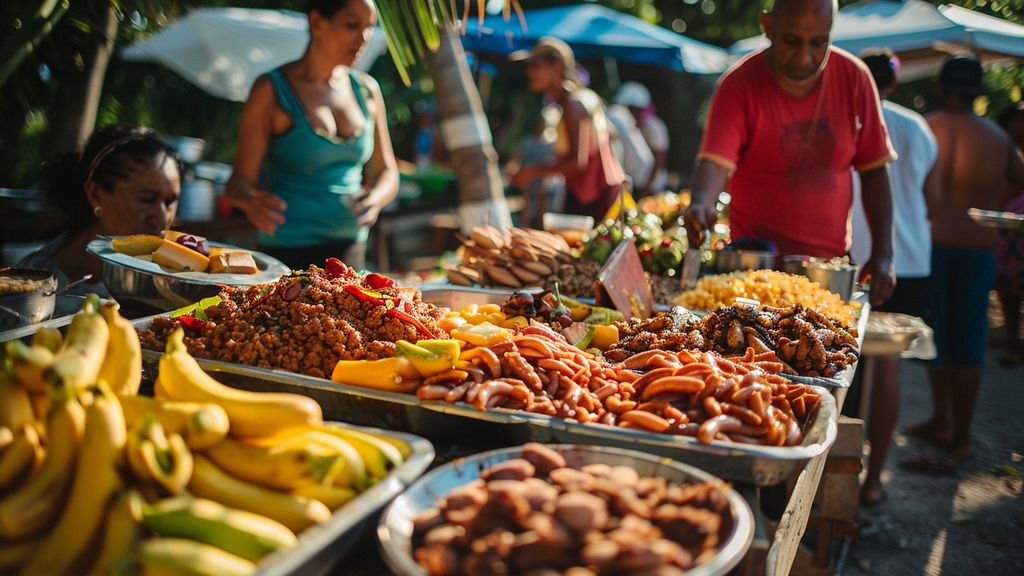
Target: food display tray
{"points": [[442, 422], [395, 530], [320, 547]]}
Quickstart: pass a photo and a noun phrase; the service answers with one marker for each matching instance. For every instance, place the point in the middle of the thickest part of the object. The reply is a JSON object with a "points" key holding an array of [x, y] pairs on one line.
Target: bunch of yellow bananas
{"points": [[201, 479]]}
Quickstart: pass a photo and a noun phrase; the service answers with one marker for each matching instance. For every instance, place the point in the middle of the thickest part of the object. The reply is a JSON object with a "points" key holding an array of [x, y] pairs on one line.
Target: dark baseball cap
{"points": [[962, 75]]}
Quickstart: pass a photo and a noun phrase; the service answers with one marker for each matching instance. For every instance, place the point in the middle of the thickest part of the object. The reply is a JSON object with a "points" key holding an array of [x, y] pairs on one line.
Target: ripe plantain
{"points": [[120, 533], [30, 508], [28, 364], [122, 363], [201, 424], [96, 480], [21, 457], [179, 557], [295, 512], [286, 465], [78, 364], [252, 414]]}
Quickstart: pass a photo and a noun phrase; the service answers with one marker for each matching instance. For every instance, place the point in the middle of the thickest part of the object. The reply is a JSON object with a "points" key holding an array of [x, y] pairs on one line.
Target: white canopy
{"points": [[224, 50], [921, 33]]}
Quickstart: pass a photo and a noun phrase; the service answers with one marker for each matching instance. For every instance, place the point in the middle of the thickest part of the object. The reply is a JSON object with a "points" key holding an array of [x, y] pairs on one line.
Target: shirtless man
{"points": [[977, 162]]}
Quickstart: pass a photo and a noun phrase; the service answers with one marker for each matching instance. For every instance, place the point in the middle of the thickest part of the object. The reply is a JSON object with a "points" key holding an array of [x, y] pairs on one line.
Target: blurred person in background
{"points": [[911, 176], [125, 181], [537, 148], [593, 177], [320, 127], [630, 147], [1010, 249], [978, 163], [637, 98]]}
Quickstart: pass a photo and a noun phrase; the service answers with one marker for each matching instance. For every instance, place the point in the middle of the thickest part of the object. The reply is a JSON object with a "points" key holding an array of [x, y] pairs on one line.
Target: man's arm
{"points": [[709, 179], [876, 198]]}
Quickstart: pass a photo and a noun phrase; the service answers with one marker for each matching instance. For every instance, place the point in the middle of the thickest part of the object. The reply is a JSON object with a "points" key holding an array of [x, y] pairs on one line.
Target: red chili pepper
{"points": [[266, 292], [398, 314], [367, 295], [336, 268], [378, 281], [192, 323]]}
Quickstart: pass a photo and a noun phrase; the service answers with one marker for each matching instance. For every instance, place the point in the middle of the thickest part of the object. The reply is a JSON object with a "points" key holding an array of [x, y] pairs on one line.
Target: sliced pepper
{"points": [[409, 319], [371, 296], [192, 323], [429, 357], [484, 334], [336, 268], [395, 374]]}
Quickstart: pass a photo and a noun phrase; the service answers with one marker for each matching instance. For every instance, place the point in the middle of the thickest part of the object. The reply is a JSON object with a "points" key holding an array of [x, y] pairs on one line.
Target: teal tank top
{"points": [[317, 175]]}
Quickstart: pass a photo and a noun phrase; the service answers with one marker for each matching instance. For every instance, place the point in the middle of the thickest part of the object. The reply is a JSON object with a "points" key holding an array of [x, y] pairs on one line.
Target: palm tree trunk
{"points": [[79, 88], [467, 136]]}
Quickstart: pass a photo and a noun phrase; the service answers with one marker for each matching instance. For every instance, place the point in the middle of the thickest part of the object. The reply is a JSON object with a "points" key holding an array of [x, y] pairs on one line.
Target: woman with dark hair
{"points": [[125, 181], [592, 174], [319, 128]]}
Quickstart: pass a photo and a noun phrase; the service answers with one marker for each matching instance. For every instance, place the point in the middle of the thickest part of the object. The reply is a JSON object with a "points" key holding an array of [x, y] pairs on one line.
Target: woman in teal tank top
{"points": [[319, 129]]}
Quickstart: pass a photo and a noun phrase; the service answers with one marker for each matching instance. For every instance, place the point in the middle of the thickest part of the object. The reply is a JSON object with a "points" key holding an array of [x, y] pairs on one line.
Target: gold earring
{"points": [[97, 211]]}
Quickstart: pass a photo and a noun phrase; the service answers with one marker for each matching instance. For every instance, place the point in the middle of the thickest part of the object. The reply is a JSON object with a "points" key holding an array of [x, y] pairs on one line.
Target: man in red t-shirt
{"points": [[787, 126]]}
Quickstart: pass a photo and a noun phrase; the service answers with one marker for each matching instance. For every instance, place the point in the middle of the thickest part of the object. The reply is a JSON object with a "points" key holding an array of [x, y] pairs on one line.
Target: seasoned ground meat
{"points": [[308, 334]]}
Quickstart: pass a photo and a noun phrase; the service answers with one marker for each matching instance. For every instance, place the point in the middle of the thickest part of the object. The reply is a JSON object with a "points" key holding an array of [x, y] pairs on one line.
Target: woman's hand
{"points": [[367, 205], [264, 210]]}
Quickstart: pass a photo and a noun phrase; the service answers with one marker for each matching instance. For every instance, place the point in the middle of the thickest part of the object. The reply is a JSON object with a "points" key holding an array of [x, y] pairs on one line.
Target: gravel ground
{"points": [[964, 522]]}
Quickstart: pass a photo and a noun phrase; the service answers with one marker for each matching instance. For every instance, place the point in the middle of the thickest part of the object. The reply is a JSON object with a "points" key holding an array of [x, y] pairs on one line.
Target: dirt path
{"points": [[967, 522]]}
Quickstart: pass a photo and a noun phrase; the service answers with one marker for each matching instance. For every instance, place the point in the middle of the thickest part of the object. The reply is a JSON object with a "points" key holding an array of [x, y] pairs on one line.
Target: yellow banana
{"points": [[40, 406], [252, 414], [353, 475], [15, 404], [179, 557], [30, 508], [96, 480], [378, 456], [159, 391], [124, 517], [283, 465], [248, 535], [295, 512], [402, 446], [29, 363], [14, 554], [49, 338], [78, 364], [21, 457], [6, 438], [333, 497], [201, 424], [154, 456], [122, 362]]}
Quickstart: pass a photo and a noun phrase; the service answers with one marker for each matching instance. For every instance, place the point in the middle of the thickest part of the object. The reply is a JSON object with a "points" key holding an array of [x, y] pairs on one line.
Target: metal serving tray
{"points": [[395, 530], [440, 421], [320, 547]]}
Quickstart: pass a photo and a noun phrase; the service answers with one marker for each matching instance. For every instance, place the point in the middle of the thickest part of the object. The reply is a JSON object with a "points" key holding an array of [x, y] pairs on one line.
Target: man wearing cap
{"points": [[786, 127], [978, 165], [637, 98]]}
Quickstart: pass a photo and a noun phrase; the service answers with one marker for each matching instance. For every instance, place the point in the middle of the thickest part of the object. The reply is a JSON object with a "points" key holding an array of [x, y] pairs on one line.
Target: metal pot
{"points": [[735, 260], [28, 307], [838, 278]]}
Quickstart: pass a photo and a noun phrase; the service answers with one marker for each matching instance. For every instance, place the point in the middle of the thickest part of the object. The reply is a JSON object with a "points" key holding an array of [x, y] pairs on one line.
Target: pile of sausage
{"points": [[699, 394], [535, 515]]}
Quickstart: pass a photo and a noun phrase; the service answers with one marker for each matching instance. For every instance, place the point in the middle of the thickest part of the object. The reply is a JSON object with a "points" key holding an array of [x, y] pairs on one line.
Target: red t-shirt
{"points": [[791, 158]]}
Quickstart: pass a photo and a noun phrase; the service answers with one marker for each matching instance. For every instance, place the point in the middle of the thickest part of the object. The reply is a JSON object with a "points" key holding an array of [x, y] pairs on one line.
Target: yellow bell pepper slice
{"points": [[484, 334], [390, 374]]}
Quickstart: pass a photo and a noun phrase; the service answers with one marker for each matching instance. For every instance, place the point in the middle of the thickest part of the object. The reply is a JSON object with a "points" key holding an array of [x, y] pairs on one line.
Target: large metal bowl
{"points": [[737, 260], [136, 280], [28, 307], [395, 530]]}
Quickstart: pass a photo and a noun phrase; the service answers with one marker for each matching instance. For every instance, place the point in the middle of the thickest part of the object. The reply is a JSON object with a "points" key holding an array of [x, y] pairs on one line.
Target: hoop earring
{"points": [[97, 211]]}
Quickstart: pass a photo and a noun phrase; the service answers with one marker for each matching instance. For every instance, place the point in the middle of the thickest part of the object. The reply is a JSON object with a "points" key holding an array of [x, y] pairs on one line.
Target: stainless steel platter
{"points": [[440, 421], [320, 547], [395, 530], [137, 279], [994, 219]]}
